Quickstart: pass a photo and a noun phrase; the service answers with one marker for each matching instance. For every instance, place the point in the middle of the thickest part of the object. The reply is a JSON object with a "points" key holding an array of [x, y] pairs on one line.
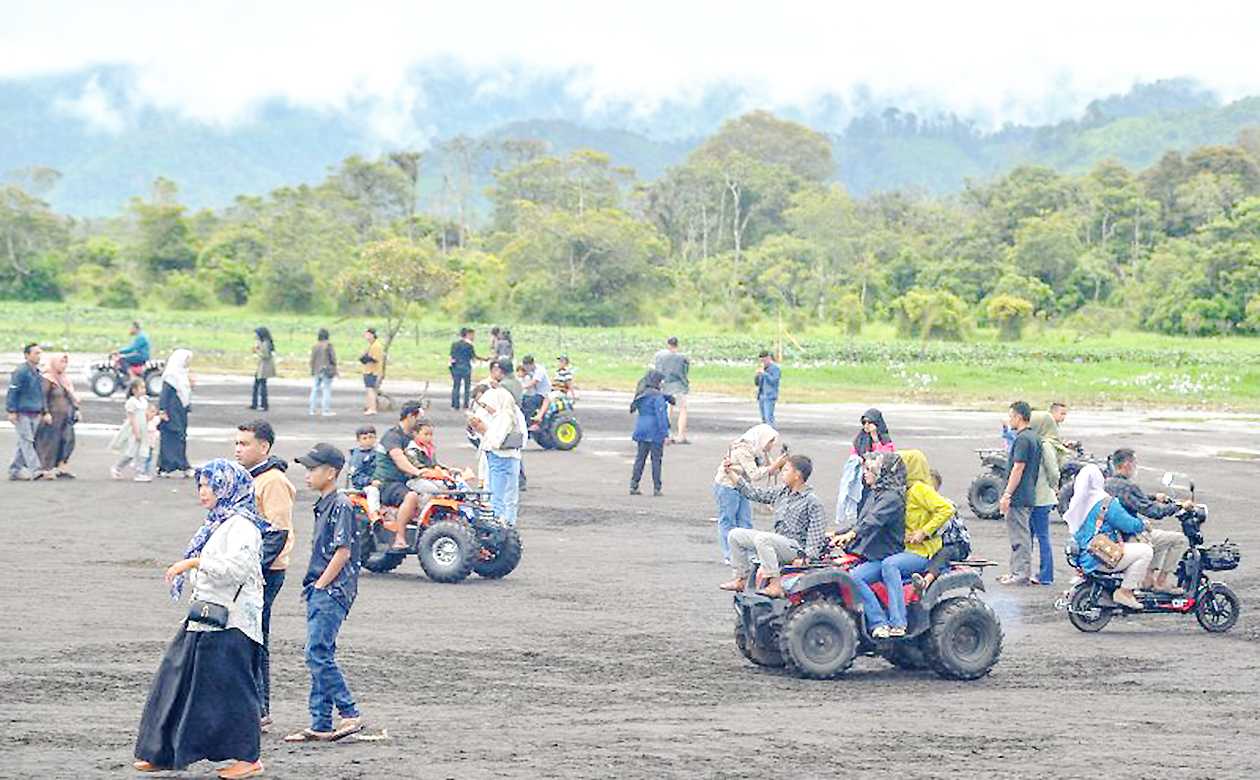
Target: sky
{"points": [[994, 62]]}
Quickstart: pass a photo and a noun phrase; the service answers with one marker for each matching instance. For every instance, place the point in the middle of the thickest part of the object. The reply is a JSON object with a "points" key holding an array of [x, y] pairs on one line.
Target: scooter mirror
{"points": [[1167, 479]]}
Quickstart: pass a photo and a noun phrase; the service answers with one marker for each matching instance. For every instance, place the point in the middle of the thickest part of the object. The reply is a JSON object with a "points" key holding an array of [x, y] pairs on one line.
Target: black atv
{"points": [[985, 492], [817, 629]]}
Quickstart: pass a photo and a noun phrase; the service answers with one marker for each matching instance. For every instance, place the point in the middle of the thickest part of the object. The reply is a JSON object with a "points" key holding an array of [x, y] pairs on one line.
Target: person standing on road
{"points": [[174, 404], [1167, 546], [1042, 423], [265, 349], [501, 425], [463, 353], [54, 439], [651, 430], [329, 588], [873, 438], [1020, 496], [677, 370], [27, 407], [373, 361], [767, 381], [323, 371], [501, 375], [273, 493], [750, 456], [203, 704]]}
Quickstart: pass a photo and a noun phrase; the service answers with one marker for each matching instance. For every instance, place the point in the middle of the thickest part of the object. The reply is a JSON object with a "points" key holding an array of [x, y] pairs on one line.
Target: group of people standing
{"points": [[210, 699], [43, 408]]}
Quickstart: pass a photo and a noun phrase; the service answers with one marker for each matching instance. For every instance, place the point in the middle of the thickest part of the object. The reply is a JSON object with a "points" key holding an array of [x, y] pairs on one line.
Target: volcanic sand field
{"points": [[608, 653]]}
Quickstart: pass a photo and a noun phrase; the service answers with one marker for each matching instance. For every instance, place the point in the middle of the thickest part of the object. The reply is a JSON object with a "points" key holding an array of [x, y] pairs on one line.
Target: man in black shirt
{"points": [[463, 353], [1020, 494], [393, 470]]}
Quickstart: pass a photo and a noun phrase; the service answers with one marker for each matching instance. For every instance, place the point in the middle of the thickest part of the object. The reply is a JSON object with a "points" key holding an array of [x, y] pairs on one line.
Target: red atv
{"points": [[817, 629]]}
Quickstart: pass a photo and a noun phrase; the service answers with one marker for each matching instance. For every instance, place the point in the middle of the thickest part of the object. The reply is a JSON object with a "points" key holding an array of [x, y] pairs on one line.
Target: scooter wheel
{"points": [[1084, 614], [1218, 610]]}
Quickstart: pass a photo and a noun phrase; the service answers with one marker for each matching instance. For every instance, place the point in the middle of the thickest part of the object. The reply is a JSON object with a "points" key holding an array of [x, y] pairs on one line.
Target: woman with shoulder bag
{"points": [[501, 425], [1098, 524], [323, 371], [204, 703]]}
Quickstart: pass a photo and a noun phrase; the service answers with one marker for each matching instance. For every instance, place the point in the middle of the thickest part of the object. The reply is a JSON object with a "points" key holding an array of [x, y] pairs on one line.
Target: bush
{"points": [[118, 294], [1095, 319], [932, 314], [185, 291], [288, 287], [41, 282], [1009, 314], [849, 313]]}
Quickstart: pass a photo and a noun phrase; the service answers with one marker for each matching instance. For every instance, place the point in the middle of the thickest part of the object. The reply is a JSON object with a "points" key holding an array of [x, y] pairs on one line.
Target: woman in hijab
{"points": [[54, 440], [880, 534], [1085, 519], [203, 704], [173, 406], [750, 457], [651, 429], [1046, 494], [872, 438], [501, 426], [265, 349]]}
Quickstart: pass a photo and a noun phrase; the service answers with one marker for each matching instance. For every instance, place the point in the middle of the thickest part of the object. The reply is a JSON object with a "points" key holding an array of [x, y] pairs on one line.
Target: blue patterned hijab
{"points": [[234, 489]]}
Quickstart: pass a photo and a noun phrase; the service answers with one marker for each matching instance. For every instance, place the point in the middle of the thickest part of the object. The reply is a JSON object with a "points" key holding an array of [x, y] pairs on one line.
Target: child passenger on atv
{"points": [[799, 526]]}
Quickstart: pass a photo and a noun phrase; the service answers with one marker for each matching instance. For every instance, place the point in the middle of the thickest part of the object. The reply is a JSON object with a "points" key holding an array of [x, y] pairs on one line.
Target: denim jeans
{"points": [[734, 511], [891, 571], [1039, 521], [766, 407], [505, 486], [328, 688], [321, 388], [273, 581]]}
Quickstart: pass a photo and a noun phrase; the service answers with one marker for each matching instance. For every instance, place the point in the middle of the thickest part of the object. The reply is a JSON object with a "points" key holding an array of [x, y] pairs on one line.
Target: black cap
{"points": [[565, 358], [409, 408], [323, 455]]}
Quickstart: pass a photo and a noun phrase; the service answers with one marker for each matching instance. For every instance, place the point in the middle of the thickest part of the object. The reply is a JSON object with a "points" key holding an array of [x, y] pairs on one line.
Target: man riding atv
{"points": [[136, 354], [394, 470], [800, 525]]}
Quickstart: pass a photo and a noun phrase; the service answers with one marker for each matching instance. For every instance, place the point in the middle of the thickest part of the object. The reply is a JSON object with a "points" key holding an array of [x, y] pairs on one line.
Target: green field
{"points": [[819, 365]]}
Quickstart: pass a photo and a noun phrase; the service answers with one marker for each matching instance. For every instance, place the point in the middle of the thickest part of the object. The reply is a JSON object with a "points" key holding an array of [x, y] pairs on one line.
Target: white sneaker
{"points": [[142, 478], [330, 414], [115, 472], [311, 413]]}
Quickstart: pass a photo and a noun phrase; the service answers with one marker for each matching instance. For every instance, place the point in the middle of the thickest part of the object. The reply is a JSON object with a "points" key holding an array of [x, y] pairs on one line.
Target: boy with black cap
{"points": [[330, 586]]}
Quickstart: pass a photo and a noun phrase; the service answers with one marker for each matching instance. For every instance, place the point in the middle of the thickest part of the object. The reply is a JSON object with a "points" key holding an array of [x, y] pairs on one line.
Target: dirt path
{"points": [[609, 652]]}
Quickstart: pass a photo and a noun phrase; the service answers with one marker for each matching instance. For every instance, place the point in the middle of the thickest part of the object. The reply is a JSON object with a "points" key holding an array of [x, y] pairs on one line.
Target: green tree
{"points": [[394, 279]]}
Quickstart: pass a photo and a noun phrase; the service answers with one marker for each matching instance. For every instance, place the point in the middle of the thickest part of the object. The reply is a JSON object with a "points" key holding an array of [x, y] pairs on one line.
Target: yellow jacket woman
{"points": [[926, 510]]}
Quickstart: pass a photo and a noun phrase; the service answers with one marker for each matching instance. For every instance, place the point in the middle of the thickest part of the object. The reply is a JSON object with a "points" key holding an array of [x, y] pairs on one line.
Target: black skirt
{"points": [[203, 703]]}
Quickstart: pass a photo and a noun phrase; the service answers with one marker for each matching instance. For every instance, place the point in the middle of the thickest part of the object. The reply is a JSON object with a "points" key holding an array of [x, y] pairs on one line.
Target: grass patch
{"points": [[822, 364]]}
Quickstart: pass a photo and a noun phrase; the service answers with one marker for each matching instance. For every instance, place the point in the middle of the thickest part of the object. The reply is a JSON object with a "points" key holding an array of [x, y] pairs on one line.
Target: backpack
{"points": [[955, 532]]}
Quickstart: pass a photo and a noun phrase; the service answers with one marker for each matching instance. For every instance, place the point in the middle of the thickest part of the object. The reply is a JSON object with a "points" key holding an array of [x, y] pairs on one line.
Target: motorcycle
{"points": [[985, 492], [111, 375], [1090, 608]]}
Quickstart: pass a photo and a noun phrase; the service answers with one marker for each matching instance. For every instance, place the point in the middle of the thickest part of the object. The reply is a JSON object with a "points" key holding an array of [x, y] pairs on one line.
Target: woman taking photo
{"points": [[323, 371], [203, 704], [173, 406], [265, 349], [750, 458], [54, 440]]}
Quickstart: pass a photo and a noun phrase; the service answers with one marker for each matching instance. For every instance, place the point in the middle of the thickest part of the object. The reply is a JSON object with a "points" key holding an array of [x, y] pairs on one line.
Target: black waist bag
{"points": [[208, 613]]}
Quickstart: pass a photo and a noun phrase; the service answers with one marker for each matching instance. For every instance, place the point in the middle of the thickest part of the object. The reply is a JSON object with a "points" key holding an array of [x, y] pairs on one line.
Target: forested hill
{"points": [[108, 150]]}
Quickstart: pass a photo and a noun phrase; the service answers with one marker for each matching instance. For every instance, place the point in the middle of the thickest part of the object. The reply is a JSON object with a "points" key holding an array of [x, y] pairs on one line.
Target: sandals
{"points": [[308, 735], [1013, 580], [345, 728], [145, 766], [733, 585], [241, 770]]}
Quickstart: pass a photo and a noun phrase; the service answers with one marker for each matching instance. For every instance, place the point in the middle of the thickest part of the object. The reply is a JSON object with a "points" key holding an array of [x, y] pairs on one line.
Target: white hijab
{"points": [[176, 375], [760, 436], [1087, 490]]}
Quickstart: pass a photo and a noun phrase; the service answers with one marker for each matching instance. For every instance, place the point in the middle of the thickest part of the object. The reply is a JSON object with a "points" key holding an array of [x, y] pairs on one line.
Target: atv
{"points": [[559, 428], [817, 630], [985, 492], [112, 375], [455, 534]]}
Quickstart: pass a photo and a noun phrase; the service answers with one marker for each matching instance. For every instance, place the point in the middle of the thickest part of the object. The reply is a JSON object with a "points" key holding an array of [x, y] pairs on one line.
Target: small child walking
{"points": [[133, 438], [329, 588], [651, 429]]}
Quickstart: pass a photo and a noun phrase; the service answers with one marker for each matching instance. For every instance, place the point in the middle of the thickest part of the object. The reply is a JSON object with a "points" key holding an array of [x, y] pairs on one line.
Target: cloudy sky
{"points": [[991, 61]]}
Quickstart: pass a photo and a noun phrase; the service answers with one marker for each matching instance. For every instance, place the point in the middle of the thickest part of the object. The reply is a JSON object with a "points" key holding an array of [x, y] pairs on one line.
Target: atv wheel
{"points": [[1218, 609], [907, 654], [755, 652], [985, 494], [376, 556], [965, 639], [153, 383], [566, 433], [505, 558], [1082, 615], [543, 439], [819, 640], [447, 551], [103, 383]]}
